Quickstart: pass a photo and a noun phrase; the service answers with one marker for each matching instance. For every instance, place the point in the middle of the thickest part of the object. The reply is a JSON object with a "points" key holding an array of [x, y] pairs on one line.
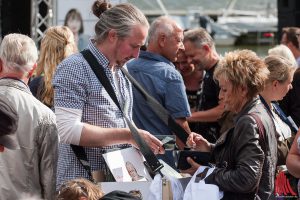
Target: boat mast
{"points": [[162, 7], [229, 8]]}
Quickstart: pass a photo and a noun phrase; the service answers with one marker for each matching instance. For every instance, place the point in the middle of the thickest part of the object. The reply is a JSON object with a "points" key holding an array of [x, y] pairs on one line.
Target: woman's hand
{"points": [[198, 143], [194, 166]]}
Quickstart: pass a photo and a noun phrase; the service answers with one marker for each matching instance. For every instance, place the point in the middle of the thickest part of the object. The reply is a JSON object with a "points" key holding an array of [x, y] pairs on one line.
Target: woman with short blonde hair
{"points": [[278, 84], [245, 160]]}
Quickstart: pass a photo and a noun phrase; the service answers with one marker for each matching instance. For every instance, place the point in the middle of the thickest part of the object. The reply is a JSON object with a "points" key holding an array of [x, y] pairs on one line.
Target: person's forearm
{"points": [[293, 158], [184, 124], [293, 165], [95, 136], [211, 115], [73, 131]]}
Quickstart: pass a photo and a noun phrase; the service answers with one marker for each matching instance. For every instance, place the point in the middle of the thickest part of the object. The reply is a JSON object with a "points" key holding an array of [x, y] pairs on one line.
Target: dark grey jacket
{"points": [[242, 164]]}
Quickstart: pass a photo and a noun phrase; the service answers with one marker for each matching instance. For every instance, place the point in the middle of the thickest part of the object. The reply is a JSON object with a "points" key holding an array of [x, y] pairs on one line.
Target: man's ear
{"points": [[112, 35], [161, 40], [206, 47], [30, 73]]}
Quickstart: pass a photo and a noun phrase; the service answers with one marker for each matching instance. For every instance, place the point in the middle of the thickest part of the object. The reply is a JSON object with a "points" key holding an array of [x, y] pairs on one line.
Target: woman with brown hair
{"points": [[57, 44], [79, 189], [74, 21]]}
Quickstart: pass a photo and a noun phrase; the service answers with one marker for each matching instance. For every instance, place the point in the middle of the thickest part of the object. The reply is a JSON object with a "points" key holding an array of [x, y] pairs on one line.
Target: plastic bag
{"points": [[201, 190]]}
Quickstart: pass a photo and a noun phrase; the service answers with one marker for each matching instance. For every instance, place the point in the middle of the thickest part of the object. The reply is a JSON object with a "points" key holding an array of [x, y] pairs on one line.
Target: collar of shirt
{"points": [[118, 85], [153, 56], [99, 55], [16, 83]]}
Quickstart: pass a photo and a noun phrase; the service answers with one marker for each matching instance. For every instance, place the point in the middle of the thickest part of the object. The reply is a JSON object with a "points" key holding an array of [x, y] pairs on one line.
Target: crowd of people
{"points": [[54, 112]]}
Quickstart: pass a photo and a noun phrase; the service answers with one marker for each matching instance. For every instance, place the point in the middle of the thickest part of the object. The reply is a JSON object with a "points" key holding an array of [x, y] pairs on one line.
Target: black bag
{"points": [[201, 158], [120, 195]]}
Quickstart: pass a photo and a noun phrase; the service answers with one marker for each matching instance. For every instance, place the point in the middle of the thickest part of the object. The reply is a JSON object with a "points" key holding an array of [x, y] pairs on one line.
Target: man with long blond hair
{"points": [[57, 44], [86, 114]]}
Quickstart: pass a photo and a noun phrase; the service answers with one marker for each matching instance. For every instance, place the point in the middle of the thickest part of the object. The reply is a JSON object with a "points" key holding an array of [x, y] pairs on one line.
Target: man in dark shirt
{"points": [[200, 50], [291, 102]]}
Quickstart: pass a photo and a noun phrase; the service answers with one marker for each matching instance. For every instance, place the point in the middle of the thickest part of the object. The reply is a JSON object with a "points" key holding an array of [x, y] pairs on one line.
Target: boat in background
{"points": [[229, 26], [222, 34], [255, 27]]}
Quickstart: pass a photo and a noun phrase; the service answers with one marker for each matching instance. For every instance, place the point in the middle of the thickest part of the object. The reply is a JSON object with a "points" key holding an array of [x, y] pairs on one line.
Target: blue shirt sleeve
{"points": [[176, 101]]}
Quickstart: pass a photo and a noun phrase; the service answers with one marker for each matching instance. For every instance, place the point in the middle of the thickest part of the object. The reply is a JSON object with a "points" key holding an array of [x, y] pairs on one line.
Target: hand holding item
{"points": [[155, 144], [193, 168], [197, 142]]}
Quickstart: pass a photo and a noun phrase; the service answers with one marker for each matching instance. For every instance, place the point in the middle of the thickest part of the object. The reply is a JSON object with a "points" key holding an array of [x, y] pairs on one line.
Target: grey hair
{"points": [[284, 51], [121, 17], [199, 37], [18, 53], [160, 25]]}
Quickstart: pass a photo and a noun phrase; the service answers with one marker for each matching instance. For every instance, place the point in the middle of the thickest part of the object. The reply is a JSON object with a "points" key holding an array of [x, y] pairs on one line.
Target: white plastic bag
{"points": [[156, 191], [177, 190], [201, 190]]}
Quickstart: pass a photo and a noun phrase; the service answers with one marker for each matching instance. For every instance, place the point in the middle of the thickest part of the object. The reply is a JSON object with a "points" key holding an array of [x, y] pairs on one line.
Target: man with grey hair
{"points": [[31, 168], [200, 50], [155, 71]]}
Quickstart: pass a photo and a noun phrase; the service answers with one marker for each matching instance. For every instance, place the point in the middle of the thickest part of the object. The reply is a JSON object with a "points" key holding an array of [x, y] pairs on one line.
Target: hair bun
{"points": [[100, 6]]}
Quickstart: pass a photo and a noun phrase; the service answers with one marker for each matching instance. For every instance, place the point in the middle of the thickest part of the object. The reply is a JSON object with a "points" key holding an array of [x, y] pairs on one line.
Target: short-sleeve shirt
{"points": [[77, 87], [162, 81], [209, 100]]}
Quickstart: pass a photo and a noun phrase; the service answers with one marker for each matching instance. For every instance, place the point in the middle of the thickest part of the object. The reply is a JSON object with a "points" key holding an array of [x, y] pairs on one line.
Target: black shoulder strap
{"points": [[151, 159], [289, 121], [81, 156], [162, 113]]}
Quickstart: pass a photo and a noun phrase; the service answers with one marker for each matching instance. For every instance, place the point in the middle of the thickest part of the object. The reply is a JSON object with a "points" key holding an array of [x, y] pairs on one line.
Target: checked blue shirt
{"points": [[77, 87]]}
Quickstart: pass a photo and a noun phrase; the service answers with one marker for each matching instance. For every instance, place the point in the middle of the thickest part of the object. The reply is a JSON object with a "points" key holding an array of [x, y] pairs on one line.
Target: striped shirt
{"points": [[77, 87]]}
